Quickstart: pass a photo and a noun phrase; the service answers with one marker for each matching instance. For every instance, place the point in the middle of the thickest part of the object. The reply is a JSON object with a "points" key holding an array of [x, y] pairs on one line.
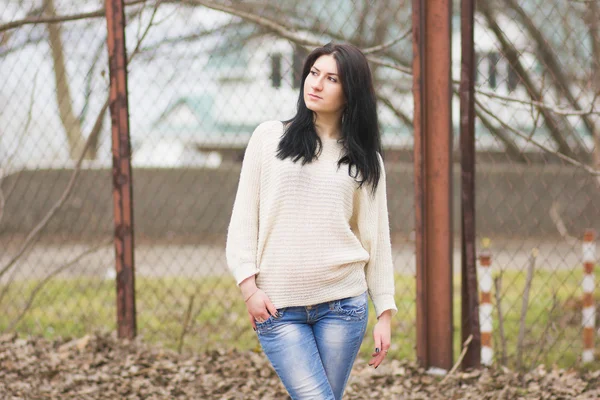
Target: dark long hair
{"points": [[360, 129]]}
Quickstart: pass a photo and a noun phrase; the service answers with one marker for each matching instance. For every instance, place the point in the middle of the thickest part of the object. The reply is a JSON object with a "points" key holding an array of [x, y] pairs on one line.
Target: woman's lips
{"points": [[314, 96]]}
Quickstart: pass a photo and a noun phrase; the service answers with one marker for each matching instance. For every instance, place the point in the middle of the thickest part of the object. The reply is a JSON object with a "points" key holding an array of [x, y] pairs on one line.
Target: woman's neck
{"points": [[328, 126]]}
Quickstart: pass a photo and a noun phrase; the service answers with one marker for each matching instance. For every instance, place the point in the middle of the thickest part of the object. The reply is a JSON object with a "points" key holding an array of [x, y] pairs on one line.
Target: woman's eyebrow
{"points": [[328, 73]]}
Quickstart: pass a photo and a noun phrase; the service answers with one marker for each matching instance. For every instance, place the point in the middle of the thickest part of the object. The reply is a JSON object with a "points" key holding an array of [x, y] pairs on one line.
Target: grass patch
{"points": [[74, 307]]}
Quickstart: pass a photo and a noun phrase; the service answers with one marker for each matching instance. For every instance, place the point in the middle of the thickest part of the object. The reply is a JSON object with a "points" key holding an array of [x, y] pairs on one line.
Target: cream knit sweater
{"points": [[307, 232]]}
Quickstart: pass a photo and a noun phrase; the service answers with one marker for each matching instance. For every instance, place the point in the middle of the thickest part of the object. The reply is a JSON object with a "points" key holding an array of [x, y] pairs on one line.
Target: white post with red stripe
{"points": [[588, 284], [485, 306]]}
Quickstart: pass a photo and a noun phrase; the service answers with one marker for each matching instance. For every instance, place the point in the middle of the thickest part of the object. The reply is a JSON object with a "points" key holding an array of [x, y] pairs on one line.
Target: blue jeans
{"points": [[313, 348]]}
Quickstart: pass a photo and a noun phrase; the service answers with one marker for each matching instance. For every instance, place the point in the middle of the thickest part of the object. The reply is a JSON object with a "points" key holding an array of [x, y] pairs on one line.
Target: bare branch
{"points": [[563, 157], [51, 275], [362, 22], [460, 358], [186, 324], [401, 116], [20, 46], [192, 37], [2, 203], [141, 39], [267, 23], [5, 169], [525, 305], [141, 10], [549, 324], [62, 92], [535, 117], [539, 104], [511, 148], [61, 18], [318, 26], [560, 224], [387, 45], [583, 1], [38, 228], [384, 63]]}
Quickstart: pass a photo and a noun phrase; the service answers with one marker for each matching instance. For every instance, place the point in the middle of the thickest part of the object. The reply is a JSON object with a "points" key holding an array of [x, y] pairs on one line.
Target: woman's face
{"points": [[323, 92]]}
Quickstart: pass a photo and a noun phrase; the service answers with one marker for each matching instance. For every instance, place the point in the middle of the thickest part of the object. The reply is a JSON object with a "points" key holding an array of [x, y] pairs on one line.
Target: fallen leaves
{"points": [[101, 367]]}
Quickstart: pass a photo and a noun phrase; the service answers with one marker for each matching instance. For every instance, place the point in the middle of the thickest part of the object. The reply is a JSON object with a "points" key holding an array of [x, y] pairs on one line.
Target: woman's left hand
{"points": [[382, 337]]}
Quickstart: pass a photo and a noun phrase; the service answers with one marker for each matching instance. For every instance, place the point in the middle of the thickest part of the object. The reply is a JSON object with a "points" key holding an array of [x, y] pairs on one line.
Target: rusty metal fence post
{"points": [[469, 300], [432, 92], [122, 177]]}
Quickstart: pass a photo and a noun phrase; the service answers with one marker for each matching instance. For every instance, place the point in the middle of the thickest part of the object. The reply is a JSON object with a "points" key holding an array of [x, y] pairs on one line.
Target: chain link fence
{"points": [[538, 80], [55, 252], [201, 76]]}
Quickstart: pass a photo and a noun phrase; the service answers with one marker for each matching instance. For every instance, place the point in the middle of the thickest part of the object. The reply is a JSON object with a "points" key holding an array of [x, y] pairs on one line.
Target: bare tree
{"points": [[550, 61], [63, 93], [555, 127]]}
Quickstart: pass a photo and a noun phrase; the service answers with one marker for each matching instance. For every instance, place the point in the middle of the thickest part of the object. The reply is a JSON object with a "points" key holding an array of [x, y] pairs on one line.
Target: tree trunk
{"points": [[63, 95], [512, 150]]}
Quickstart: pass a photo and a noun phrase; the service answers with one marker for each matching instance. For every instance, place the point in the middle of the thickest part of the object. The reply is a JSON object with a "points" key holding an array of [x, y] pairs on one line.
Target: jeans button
{"points": [[308, 307]]}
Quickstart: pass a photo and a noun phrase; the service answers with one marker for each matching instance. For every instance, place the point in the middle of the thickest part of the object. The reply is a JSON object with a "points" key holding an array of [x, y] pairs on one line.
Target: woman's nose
{"points": [[317, 84]]}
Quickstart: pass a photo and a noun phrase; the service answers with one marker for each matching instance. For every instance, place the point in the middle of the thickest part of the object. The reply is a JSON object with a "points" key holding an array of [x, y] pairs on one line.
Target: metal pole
{"points": [[418, 98], [588, 286], [469, 299], [122, 178], [432, 93]]}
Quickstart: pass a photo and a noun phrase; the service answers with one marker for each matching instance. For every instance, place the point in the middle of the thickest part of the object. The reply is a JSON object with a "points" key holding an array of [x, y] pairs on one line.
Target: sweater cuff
{"points": [[384, 302], [244, 271]]}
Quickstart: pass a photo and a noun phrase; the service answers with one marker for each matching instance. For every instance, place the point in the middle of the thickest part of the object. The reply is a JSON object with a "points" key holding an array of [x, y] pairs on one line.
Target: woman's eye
{"points": [[314, 73], [332, 79]]}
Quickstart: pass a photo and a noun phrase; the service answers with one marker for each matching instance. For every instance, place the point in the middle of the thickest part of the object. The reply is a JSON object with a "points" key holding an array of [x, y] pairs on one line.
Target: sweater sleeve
{"points": [[242, 233], [374, 232]]}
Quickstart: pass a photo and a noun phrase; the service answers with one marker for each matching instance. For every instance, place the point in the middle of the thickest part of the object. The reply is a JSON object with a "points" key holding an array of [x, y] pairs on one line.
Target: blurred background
{"points": [[201, 76]]}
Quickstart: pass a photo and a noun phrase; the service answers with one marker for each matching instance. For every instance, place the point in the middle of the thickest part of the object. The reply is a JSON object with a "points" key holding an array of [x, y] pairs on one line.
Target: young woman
{"points": [[309, 233]]}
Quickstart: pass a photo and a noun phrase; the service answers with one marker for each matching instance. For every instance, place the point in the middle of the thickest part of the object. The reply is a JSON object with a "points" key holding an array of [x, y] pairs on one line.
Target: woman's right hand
{"points": [[258, 304], [260, 308]]}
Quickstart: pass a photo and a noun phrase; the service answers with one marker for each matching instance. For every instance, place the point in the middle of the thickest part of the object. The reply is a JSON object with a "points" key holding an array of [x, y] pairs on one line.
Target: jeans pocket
{"points": [[353, 308], [267, 325]]}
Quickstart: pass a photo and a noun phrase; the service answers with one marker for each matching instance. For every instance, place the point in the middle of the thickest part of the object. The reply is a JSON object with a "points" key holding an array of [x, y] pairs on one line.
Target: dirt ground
{"points": [[100, 367]]}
